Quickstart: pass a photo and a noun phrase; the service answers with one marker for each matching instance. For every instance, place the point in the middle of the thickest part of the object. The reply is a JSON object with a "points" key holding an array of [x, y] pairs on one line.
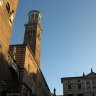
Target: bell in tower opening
{"points": [[32, 35]]}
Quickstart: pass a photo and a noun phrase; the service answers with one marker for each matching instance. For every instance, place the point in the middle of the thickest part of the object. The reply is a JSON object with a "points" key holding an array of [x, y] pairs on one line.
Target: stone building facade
{"points": [[80, 86]]}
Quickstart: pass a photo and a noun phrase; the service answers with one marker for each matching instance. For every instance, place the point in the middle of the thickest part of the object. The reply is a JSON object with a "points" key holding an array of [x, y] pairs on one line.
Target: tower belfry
{"points": [[32, 33]]}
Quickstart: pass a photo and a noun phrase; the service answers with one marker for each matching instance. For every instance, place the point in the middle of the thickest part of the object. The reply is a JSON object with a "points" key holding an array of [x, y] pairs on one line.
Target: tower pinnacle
{"points": [[91, 70]]}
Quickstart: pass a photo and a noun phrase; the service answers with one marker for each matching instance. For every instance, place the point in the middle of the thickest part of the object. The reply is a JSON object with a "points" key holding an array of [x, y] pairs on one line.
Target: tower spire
{"points": [[54, 92], [83, 74], [91, 70]]}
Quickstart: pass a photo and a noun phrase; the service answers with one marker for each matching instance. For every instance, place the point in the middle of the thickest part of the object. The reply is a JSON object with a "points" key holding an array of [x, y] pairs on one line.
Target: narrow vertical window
{"points": [[10, 13], [8, 7], [88, 84], [69, 86], [79, 86]]}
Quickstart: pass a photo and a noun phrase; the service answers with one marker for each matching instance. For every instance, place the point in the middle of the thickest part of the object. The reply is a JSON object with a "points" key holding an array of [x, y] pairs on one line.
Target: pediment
{"points": [[91, 75]]}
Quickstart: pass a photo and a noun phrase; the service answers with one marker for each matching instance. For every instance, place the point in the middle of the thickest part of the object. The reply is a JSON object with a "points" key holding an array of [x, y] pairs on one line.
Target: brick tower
{"points": [[32, 34]]}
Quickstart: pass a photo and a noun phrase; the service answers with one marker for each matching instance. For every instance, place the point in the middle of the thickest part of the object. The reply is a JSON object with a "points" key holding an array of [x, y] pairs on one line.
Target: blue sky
{"points": [[68, 46]]}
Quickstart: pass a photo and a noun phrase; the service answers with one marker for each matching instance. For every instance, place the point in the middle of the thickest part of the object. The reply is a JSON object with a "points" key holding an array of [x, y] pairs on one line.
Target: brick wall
{"points": [[6, 23], [31, 74]]}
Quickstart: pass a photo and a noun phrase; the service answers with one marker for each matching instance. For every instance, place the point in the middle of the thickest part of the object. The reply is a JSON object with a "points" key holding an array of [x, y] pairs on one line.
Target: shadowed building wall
{"points": [[7, 15]]}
